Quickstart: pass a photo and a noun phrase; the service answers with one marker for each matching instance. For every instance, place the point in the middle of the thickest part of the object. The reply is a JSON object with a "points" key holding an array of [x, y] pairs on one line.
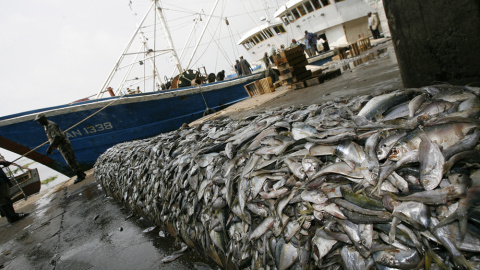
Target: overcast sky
{"points": [[57, 51]]}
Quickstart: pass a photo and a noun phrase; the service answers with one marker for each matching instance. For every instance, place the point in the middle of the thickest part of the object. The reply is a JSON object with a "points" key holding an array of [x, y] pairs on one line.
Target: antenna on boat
{"points": [[109, 79], [159, 13], [203, 32], [196, 20], [169, 37]]}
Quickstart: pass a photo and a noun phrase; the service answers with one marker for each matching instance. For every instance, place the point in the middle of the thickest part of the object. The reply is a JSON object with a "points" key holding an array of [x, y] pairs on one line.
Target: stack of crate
{"points": [[292, 66]]}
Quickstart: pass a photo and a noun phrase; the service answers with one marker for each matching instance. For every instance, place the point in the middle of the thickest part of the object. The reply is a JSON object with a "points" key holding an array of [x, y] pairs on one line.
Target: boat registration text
{"points": [[88, 130]]}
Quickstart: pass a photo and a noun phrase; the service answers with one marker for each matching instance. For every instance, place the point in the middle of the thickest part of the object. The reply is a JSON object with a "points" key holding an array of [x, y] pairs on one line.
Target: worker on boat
{"points": [[220, 76], [58, 141], [245, 66], [238, 68], [6, 204]]}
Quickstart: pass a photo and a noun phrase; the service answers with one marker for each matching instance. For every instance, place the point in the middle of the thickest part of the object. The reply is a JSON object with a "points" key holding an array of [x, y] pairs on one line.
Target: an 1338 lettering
{"points": [[88, 130]]}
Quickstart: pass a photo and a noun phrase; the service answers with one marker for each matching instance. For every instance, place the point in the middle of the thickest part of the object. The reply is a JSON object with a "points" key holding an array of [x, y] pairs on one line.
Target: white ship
{"points": [[339, 22]]}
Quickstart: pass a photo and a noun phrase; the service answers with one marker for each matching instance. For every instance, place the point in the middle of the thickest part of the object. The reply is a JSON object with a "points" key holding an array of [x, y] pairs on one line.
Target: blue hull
{"points": [[121, 119]]}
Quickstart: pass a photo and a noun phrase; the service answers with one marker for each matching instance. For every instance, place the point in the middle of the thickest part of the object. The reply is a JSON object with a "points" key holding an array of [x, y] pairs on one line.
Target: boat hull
{"points": [[106, 122]]}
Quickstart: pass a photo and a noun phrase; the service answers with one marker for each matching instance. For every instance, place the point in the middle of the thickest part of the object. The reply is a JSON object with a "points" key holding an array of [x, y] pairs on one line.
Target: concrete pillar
{"points": [[436, 41]]}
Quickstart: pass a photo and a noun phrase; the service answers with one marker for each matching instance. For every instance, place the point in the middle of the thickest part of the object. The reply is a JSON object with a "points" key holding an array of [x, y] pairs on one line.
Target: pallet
{"points": [[254, 88], [302, 60], [293, 70], [296, 86], [312, 81], [267, 85], [298, 78], [279, 60]]}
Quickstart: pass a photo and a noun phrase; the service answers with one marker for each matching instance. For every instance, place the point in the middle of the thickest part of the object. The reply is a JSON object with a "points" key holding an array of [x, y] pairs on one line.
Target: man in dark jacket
{"points": [[6, 204], [311, 38]]}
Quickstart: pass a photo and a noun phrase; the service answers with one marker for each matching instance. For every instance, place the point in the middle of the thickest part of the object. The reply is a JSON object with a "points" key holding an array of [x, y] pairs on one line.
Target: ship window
{"points": [[302, 10], [253, 42], [296, 14], [279, 29], [309, 7], [326, 2], [269, 33], [256, 40], [316, 4], [290, 17], [339, 1], [285, 20], [260, 37]]}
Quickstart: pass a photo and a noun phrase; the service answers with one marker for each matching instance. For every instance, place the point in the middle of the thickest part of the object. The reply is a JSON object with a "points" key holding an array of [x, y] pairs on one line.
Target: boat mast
{"points": [[203, 32], [169, 37], [105, 85], [189, 37]]}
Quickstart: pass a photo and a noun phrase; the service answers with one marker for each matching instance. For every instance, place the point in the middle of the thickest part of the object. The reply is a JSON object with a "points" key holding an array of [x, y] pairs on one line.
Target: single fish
{"points": [[415, 103], [398, 258], [285, 254], [414, 213], [265, 225], [431, 163], [379, 104]]}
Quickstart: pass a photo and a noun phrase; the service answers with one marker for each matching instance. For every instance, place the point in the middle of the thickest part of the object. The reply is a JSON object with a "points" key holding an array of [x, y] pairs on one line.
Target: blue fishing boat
{"points": [[94, 125]]}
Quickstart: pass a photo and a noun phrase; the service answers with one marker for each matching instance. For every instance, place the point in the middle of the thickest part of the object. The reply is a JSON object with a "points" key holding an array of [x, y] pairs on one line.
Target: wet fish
{"points": [[431, 163]]}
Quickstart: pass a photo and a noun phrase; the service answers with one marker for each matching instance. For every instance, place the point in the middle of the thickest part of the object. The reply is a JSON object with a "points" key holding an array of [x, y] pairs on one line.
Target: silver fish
{"points": [[414, 213], [415, 103], [431, 163], [285, 254], [398, 258]]}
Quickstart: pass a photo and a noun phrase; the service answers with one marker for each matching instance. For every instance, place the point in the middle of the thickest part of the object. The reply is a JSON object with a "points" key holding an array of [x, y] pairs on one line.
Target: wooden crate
{"points": [[317, 72], [299, 61], [298, 69], [296, 86], [289, 58], [298, 78], [313, 81], [267, 85], [254, 89]]}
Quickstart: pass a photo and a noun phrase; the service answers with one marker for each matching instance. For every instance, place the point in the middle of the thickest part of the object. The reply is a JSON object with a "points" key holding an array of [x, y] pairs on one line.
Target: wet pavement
{"points": [[77, 227]]}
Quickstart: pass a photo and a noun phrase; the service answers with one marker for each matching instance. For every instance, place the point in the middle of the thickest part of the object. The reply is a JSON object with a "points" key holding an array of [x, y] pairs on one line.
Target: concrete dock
{"points": [[75, 226]]}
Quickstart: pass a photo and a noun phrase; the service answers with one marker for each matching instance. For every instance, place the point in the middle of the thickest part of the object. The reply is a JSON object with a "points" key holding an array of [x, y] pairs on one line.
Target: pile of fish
{"points": [[386, 181]]}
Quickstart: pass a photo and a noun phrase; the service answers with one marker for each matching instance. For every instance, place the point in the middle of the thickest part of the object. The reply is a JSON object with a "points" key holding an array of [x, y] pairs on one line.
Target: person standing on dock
{"points": [[373, 23], [266, 60], [312, 41], [245, 66], [58, 141], [6, 204]]}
